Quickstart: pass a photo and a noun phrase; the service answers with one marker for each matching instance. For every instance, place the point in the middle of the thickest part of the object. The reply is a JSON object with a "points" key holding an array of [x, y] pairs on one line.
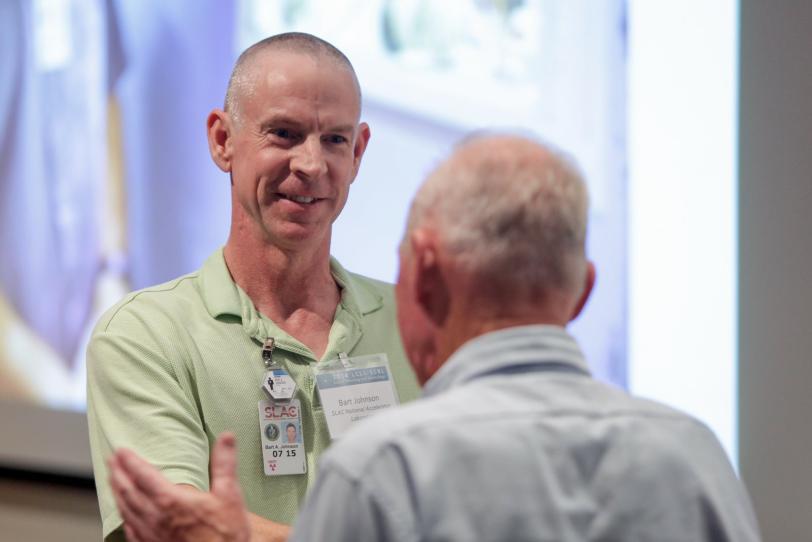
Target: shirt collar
{"points": [[222, 296], [510, 348]]}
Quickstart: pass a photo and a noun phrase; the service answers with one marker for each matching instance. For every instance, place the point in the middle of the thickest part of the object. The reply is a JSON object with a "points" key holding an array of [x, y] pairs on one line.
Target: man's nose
{"points": [[308, 158]]}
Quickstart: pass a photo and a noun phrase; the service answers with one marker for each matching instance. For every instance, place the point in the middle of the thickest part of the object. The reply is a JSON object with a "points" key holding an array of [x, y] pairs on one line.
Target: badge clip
{"points": [[276, 382]]}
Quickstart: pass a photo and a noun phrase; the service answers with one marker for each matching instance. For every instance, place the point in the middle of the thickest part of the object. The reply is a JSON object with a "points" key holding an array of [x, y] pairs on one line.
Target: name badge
{"points": [[280, 428], [353, 389]]}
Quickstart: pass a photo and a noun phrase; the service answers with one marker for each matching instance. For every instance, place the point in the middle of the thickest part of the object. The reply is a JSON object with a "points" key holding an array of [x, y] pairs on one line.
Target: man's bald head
{"points": [[512, 215], [244, 75]]}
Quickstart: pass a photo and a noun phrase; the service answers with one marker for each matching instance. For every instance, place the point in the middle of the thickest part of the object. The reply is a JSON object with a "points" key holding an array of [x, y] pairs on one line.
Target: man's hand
{"points": [[156, 510]]}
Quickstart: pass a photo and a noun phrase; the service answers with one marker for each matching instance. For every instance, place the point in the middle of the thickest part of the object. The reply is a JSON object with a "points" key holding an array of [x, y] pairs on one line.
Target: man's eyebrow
{"points": [[341, 128], [284, 120], [277, 119]]}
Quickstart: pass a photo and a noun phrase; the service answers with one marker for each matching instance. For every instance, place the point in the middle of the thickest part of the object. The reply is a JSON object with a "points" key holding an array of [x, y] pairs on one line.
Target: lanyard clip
{"points": [[267, 352], [345, 361]]}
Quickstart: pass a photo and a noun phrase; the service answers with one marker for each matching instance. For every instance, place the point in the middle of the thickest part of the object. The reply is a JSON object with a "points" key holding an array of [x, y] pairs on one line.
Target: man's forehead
{"points": [[282, 68]]}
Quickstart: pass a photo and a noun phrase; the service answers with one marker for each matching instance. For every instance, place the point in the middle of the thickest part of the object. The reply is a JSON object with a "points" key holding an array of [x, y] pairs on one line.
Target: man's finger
{"points": [[128, 517], [126, 493], [131, 534], [136, 532], [224, 463], [146, 477], [136, 509]]}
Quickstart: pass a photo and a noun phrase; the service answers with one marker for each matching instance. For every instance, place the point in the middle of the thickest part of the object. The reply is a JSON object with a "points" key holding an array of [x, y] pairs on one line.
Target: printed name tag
{"points": [[353, 389], [280, 428]]}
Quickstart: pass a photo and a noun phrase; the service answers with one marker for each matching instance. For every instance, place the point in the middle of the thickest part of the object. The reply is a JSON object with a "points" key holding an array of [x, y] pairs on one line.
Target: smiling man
{"points": [[172, 366]]}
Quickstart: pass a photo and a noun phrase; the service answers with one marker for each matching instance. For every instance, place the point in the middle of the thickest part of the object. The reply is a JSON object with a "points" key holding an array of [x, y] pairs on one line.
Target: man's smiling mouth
{"points": [[298, 199]]}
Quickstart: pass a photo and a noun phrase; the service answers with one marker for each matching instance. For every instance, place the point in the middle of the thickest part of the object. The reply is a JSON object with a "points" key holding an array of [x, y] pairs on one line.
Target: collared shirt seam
{"points": [[174, 285]]}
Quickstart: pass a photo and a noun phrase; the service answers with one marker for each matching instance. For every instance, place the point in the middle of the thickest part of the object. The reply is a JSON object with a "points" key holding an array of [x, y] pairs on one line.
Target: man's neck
{"points": [[294, 288], [462, 327]]}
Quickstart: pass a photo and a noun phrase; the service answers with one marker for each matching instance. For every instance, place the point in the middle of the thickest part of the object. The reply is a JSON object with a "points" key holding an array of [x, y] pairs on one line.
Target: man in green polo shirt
{"points": [[172, 366]]}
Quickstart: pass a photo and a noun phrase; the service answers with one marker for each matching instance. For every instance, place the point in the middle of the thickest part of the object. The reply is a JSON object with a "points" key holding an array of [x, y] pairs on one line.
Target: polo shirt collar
{"points": [[356, 298], [219, 291], [222, 296], [517, 348]]}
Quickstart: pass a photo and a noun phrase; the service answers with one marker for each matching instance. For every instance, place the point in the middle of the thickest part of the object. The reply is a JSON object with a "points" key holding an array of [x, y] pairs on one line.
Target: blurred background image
{"points": [[107, 186], [104, 170]]}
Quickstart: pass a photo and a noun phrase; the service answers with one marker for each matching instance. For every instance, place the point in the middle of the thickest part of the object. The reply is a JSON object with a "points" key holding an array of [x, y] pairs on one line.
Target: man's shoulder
{"points": [[167, 299], [652, 424], [649, 440], [667, 431], [664, 461], [654, 416]]}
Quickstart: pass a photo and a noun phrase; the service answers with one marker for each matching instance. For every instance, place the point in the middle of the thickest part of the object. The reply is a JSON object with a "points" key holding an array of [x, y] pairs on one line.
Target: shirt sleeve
{"points": [[345, 508], [137, 401]]}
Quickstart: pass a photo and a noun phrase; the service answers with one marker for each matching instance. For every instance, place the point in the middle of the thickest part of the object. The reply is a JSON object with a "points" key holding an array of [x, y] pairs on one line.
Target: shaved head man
{"points": [[243, 80], [232, 347], [513, 439]]}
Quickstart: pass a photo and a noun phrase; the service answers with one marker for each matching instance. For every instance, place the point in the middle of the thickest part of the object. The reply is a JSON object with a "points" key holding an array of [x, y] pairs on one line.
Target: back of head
{"points": [[512, 214]]}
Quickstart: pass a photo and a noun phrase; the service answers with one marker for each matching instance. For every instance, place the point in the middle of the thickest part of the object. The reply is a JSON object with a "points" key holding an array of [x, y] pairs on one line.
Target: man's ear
{"points": [[360, 147], [589, 283], [219, 130], [431, 286]]}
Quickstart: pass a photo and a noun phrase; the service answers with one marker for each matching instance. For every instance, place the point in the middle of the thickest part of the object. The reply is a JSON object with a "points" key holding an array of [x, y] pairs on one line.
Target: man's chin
{"points": [[293, 234]]}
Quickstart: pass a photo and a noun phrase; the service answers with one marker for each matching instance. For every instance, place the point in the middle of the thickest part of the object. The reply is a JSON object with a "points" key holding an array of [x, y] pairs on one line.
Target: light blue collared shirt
{"points": [[513, 441]]}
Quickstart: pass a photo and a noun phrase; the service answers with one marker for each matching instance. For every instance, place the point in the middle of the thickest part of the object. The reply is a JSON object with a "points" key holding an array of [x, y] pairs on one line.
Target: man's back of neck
{"points": [[466, 325]]}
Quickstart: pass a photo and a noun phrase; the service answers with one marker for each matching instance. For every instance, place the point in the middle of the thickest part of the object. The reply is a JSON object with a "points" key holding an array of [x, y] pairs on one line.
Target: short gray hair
{"points": [[291, 42], [510, 211]]}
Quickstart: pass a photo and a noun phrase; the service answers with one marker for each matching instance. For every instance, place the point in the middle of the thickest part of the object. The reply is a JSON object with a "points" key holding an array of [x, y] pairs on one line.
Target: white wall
{"points": [[775, 264], [682, 207]]}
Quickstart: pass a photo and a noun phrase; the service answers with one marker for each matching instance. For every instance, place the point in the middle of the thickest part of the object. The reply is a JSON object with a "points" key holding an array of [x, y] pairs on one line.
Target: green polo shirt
{"points": [[172, 366]]}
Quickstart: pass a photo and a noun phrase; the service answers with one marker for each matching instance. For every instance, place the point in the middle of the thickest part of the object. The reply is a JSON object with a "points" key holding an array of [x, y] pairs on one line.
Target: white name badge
{"points": [[280, 429], [353, 389]]}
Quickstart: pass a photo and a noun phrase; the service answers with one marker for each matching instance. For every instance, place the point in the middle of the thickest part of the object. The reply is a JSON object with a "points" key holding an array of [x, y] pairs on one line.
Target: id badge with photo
{"points": [[280, 428], [353, 389]]}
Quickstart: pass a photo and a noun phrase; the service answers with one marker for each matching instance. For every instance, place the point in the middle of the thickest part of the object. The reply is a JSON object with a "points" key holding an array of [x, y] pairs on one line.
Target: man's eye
{"points": [[282, 133], [336, 139]]}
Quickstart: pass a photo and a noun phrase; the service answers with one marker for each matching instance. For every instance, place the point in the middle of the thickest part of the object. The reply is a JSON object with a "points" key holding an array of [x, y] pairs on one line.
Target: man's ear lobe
{"points": [[219, 132], [431, 285]]}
